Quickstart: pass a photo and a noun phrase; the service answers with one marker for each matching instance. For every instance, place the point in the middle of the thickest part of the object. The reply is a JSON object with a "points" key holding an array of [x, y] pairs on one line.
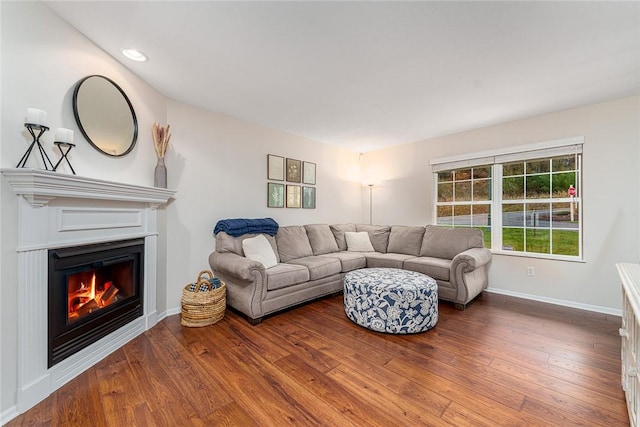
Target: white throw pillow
{"points": [[358, 241], [259, 249]]}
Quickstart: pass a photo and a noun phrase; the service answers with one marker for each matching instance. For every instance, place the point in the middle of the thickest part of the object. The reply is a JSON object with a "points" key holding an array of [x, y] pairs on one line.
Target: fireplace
{"points": [[58, 212], [93, 290]]}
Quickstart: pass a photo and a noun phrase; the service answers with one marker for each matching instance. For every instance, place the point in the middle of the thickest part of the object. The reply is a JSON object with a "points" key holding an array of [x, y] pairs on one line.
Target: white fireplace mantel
{"points": [[59, 210], [38, 187]]}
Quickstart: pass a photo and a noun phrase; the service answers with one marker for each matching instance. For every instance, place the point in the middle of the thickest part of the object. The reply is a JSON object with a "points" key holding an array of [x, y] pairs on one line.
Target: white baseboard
{"points": [[169, 312], [565, 303], [8, 415]]}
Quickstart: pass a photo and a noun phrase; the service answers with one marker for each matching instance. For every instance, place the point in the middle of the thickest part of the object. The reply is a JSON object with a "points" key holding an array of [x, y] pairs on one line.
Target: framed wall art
{"points": [[308, 173], [308, 197], [275, 167], [294, 170], [275, 195], [293, 196]]}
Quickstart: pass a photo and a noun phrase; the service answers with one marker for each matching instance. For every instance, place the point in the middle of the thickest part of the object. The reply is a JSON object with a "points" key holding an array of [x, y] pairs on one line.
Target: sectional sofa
{"points": [[310, 261]]}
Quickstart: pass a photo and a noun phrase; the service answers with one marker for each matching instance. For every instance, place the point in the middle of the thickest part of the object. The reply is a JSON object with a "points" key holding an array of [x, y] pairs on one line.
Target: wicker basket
{"points": [[204, 305]]}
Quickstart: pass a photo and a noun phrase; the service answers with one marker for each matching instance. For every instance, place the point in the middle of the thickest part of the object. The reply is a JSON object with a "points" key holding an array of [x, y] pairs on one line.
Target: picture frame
{"points": [[275, 195], [308, 197], [293, 196], [275, 167], [309, 173], [294, 170]]}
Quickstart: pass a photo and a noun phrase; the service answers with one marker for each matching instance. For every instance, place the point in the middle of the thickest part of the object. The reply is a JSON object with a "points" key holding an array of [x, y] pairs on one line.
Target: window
{"points": [[538, 213], [464, 199], [526, 200]]}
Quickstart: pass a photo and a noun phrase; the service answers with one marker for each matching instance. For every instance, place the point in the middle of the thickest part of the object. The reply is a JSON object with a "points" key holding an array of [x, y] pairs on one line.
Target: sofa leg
{"points": [[255, 322], [459, 306]]}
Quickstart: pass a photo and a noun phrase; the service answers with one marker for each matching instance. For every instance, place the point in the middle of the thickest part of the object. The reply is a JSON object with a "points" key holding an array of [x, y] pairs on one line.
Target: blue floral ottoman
{"points": [[391, 300]]}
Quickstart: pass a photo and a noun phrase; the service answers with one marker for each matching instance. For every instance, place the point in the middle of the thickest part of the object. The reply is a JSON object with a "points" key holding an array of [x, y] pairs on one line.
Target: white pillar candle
{"points": [[36, 116], [64, 135]]}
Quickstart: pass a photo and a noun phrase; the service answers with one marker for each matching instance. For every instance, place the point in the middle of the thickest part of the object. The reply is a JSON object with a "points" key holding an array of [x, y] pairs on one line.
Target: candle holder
{"points": [[31, 127], [62, 145]]}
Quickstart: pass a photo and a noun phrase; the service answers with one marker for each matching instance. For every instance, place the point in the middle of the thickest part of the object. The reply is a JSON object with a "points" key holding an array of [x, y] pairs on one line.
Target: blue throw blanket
{"points": [[239, 226]]}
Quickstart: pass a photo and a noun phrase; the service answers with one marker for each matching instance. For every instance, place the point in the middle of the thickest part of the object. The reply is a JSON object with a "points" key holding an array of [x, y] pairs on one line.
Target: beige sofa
{"points": [[313, 259]]}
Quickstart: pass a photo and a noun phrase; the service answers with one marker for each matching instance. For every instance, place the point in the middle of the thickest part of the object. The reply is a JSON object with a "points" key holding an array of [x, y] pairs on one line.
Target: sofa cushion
{"points": [[379, 260], [292, 242], [438, 268], [338, 231], [379, 235], [227, 243], [319, 266], [258, 248], [321, 239], [405, 240], [358, 241], [348, 260], [284, 275], [446, 242]]}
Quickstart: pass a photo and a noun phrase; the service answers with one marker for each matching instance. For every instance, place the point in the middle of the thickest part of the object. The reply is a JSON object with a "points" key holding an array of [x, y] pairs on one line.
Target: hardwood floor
{"points": [[503, 361]]}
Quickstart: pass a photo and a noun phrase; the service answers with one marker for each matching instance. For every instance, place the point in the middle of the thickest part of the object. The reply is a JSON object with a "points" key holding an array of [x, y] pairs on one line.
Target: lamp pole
{"points": [[370, 204]]}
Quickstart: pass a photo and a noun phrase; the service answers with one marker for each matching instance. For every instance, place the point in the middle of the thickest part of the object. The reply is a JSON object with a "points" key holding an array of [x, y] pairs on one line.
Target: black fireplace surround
{"points": [[93, 290]]}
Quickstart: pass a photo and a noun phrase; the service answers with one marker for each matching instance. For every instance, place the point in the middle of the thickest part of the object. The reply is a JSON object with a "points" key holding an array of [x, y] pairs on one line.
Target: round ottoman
{"points": [[391, 300]]}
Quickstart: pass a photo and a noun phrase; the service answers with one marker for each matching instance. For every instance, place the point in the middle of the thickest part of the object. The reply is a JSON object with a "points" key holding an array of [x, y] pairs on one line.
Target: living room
{"points": [[217, 165]]}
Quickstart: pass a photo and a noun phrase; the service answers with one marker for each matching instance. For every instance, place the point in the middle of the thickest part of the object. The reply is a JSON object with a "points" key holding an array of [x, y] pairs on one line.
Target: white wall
{"points": [[218, 164], [611, 199]]}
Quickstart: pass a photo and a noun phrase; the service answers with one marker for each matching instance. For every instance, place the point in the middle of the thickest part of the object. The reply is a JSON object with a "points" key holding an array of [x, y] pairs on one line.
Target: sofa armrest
{"points": [[246, 282], [471, 259], [230, 264], [469, 273]]}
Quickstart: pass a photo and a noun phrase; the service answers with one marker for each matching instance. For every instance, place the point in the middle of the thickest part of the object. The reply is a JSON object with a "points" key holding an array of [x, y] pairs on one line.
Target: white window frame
{"points": [[496, 158]]}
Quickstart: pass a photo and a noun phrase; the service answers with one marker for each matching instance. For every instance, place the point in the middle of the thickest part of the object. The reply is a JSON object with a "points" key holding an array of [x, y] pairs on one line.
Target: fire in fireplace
{"points": [[96, 288], [93, 290]]}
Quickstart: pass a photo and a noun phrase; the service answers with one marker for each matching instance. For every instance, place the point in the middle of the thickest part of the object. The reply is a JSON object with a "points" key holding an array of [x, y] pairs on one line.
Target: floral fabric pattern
{"points": [[391, 300]]}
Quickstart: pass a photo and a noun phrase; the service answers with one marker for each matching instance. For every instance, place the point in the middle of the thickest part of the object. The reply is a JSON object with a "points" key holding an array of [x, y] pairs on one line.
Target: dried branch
{"points": [[161, 137]]}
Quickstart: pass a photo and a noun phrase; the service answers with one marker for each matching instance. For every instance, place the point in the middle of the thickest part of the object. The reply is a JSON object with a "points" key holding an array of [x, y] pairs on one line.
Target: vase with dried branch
{"points": [[161, 137]]}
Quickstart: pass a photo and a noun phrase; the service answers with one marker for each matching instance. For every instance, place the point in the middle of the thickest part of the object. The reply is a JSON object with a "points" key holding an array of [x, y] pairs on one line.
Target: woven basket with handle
{"points": [[202, 304]]}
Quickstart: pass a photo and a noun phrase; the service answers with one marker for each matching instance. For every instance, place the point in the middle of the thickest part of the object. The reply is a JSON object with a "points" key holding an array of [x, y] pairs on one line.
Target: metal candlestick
{"points": [[60, 146], [36, 140]]}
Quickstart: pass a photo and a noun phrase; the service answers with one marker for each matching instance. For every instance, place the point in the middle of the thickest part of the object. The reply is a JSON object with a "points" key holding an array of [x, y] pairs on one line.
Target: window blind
{"points": [[545, 149]]}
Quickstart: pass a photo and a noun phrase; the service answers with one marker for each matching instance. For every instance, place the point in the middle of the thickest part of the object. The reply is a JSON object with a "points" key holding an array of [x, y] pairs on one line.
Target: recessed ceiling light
{"points": [[135, 55]]}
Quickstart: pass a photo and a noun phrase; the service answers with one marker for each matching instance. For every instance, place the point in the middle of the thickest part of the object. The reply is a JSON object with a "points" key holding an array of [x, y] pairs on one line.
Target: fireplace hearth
{"points": [[93, 290]]}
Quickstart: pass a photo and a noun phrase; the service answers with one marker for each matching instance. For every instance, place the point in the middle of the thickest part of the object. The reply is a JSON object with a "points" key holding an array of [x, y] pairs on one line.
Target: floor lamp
{"points": [[370, 204], [370, 184]]}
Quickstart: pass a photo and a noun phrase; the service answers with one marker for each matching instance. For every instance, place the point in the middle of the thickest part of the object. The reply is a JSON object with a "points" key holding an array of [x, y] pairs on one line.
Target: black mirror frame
{"points": [[79, 123]]}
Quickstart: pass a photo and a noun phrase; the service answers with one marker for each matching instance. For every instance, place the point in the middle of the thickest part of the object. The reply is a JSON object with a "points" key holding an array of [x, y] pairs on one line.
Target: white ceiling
{"points": [[365, 75]]}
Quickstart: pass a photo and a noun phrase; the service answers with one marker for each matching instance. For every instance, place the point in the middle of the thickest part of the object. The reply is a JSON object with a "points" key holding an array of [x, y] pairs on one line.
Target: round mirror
{"points": [[105, 115]]}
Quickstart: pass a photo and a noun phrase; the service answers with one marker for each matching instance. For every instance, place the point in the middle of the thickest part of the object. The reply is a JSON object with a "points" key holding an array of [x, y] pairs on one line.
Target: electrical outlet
{"points": [[531, 271]]}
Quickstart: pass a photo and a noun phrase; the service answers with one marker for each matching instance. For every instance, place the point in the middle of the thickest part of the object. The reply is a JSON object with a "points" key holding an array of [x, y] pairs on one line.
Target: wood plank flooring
{"points": [[502, 362]]}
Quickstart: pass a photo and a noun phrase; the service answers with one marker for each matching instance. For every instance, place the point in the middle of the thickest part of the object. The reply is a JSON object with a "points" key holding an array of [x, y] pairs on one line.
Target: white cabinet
{"points": [[630, 334]]}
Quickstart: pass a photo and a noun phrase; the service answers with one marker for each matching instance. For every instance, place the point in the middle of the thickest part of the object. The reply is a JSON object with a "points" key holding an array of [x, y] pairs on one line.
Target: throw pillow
{"points": [[378, 234], [358, 241], [259, 249], [338, 231]]}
